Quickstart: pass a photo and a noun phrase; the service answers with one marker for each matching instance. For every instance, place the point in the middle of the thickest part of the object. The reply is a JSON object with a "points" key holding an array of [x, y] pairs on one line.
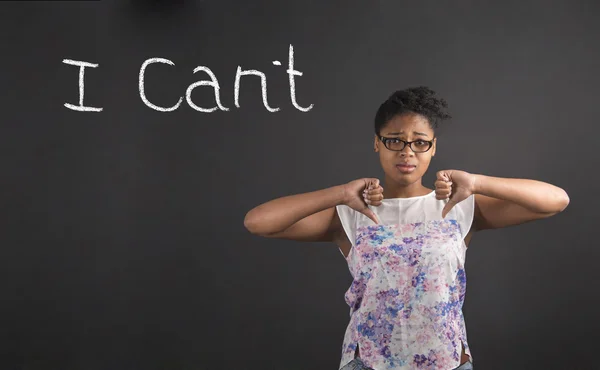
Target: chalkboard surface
{"points": [[137, 134]]}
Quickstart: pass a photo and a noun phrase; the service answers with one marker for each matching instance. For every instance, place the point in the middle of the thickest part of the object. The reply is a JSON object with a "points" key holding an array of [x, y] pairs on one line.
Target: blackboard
{"points": [[123, 242]]}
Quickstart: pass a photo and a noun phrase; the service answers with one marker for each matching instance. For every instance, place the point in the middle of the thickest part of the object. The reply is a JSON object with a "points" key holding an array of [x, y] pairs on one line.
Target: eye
{"points": [[392, 140], [421, 143]]}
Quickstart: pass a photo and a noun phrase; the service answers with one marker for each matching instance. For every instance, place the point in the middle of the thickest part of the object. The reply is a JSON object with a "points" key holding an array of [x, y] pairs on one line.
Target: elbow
{"points": [[561, 202], [564, 201], [250, 223], [253, 224]]}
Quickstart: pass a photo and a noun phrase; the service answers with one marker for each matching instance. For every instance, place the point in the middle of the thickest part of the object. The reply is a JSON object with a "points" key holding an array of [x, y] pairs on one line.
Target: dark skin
{"points": [[490, 212], [499, 202]]}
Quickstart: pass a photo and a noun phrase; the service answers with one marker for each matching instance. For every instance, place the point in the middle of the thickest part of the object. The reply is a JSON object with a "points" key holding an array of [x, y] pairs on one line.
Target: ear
{"points": [[434, 147], [376, 144]]}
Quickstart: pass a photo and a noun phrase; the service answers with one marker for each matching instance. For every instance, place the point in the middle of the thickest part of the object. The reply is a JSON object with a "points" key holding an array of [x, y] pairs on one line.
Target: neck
{"points": [[393, 189]]}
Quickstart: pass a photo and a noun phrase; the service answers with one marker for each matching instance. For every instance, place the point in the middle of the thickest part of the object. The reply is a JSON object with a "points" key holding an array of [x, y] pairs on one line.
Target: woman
{"points": [[405, 244]]}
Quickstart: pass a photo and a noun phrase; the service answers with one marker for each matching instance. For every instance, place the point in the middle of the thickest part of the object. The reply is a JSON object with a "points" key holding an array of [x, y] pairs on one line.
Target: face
{"points": [[408, 127]]}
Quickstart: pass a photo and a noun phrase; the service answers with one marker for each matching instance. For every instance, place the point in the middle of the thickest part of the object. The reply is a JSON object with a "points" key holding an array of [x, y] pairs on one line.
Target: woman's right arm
{"points": [[303, 217]]}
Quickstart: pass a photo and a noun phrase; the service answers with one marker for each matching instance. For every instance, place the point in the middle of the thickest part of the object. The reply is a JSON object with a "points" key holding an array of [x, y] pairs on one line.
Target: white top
{"points": [[409, 283]]}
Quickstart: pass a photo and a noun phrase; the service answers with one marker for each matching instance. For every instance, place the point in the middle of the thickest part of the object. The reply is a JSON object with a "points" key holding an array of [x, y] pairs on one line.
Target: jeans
{"points": [[357, 364]]}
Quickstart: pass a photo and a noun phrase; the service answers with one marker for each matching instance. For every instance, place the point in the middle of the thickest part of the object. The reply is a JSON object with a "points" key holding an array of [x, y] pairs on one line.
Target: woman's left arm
{"points": [[502, 202]]}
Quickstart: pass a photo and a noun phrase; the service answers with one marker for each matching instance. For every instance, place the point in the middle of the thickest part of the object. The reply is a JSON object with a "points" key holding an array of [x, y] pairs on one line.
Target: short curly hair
{"points": [[420, 100]]}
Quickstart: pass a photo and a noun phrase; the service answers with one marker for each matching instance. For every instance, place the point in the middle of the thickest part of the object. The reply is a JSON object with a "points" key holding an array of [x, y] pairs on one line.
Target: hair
{"points": [[420, 100]]}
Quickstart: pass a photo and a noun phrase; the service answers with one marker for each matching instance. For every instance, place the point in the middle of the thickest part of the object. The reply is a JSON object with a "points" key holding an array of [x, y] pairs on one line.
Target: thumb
{"points": [[370, 214], [451, 203]]}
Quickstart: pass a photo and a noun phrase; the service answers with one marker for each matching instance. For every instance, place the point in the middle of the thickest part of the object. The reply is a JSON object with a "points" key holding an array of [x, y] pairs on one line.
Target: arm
{"points": [[502, 202], [304, 217]]}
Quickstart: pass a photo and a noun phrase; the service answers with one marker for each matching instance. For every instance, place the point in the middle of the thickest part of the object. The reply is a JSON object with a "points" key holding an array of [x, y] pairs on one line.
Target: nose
{"points": [[406, 151]]}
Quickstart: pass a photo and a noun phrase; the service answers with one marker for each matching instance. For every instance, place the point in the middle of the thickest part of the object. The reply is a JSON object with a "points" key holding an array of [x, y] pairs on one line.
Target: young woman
{"points": [[405, 244]]}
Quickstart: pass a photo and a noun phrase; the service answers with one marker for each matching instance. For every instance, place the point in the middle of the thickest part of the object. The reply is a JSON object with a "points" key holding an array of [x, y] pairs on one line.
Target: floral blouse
{"points": [[409, 284]]}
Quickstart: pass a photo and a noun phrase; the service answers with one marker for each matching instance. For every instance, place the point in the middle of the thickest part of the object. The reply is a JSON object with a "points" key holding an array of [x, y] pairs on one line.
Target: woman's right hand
{"points": [[361, 193]]}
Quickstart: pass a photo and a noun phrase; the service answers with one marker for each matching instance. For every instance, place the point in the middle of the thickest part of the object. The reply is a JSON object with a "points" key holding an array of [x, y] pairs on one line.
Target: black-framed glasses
{"points": [[397, 144]]}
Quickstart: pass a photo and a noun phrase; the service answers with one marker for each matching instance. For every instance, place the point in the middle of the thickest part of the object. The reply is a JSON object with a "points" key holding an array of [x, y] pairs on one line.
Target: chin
{"points": [[406, 179], [403, 180]]}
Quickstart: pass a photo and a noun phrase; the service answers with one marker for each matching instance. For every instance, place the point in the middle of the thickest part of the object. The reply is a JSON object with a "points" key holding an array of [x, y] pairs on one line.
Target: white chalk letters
{"points": [[142, 90], [212, 82], [82, 66]]}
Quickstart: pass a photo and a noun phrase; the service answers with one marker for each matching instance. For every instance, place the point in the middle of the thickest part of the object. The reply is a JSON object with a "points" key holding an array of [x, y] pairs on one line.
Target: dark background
{"points": [[122, 241]]}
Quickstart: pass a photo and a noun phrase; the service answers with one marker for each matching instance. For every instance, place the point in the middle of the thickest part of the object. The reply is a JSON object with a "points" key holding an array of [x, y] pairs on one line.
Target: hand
{"points": [[454, 185], [358, 194]]}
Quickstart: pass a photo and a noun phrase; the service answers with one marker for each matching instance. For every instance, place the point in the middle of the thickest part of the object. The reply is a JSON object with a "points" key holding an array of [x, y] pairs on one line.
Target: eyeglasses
{"points": [[396, 144]]}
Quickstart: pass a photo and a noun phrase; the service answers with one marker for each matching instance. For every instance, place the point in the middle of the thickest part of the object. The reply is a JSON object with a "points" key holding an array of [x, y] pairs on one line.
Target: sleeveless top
{"points": [[409, 283]]}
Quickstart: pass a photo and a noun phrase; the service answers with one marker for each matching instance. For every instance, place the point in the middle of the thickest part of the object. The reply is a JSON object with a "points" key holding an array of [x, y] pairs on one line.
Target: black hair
{"points": [[420, 100]]}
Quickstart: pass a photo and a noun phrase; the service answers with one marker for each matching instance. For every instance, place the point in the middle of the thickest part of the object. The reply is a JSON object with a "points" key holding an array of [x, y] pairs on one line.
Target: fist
{"points": [[360, 194], [373, 194], [455, 186]]}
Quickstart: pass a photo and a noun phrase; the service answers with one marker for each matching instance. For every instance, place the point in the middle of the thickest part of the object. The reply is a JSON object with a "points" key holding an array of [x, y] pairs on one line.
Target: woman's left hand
{"points": [[455, 186]]}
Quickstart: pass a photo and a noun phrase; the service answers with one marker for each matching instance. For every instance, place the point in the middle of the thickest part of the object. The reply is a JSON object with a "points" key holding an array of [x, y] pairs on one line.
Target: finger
{"points": [[443, 176], [376, 197], [447, 208], [443, 192], [442, 187], [442, 184], [373, 184], [365, 192], [373, 202], [374, 191], [373, 195], [370, 214]]}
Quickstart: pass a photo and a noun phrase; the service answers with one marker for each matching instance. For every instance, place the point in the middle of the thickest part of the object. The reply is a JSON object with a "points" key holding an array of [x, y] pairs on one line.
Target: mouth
{"points": [[405, 167]]}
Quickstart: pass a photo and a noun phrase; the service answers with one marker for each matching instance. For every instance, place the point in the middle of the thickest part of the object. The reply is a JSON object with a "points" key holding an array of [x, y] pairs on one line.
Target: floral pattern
{"points": [[407, 295]]}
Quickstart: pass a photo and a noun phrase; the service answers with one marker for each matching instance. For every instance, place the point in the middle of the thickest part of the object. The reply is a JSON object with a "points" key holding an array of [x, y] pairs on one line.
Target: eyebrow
{"points": [[414, 132]]}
